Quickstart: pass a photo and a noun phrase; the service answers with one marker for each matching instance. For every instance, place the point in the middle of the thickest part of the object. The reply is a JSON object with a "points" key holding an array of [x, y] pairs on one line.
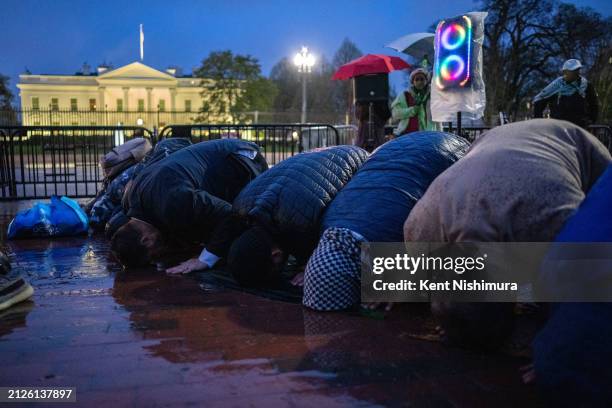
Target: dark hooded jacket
{"points": [[582, 111], [109, 203], [187, 193], [378, 199], [289, 199]]}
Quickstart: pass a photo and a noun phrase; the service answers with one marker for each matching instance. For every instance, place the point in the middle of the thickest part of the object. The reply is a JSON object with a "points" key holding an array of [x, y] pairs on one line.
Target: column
{"points": [[173, 104], [125, 98], [101, 104], [149, 92], [99, 115], [149, 107]]}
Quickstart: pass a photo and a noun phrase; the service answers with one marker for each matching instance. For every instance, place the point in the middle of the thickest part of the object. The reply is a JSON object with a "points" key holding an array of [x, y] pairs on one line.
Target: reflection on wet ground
{"points": [[142, 338]]}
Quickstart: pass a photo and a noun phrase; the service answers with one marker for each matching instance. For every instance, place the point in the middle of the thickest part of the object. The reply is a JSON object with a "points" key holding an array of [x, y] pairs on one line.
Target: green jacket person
{"points": [[412, 107]]}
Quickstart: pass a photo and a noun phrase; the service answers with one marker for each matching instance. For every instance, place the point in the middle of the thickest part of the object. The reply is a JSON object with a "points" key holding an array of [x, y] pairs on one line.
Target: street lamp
{"points": [[304, 61]]}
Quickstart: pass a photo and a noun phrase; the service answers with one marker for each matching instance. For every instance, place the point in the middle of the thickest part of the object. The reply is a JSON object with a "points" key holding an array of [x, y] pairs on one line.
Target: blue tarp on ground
{"points": [[61, 217]]}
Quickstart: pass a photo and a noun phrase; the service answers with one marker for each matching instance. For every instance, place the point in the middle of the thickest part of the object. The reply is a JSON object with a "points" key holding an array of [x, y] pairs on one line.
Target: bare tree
{"points": [[584, 34], [342, 90], [7, 113], [526, 42], [286, 78], [6, 96], [517, 53], [320, 89]]}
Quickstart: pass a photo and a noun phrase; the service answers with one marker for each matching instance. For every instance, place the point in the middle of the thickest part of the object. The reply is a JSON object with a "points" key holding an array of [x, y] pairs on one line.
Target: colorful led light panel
{"points": [[453, 52]]}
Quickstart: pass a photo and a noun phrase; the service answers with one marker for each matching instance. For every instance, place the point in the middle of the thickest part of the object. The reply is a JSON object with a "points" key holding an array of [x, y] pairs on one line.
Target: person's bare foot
{"points": [[528, 374], [298, 279]]}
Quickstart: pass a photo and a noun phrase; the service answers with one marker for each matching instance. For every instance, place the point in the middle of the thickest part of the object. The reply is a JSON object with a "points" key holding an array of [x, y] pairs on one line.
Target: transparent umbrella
{"points": [[417, 45]]}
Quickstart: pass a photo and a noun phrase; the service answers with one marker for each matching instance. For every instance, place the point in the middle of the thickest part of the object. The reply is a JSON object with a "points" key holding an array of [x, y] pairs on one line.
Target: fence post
{"points": [[13, 183], [337, 135]]}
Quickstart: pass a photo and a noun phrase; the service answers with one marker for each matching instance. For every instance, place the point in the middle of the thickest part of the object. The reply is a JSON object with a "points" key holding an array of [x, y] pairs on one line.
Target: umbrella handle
{"points": [[370, 124]]}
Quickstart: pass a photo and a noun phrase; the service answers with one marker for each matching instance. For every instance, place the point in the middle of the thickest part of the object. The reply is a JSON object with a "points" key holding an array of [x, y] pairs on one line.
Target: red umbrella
{"points": [[370, 64]]}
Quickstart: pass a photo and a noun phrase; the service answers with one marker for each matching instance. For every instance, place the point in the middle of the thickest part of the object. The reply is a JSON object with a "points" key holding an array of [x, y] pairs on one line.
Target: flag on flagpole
{"points": [[141, 44]]}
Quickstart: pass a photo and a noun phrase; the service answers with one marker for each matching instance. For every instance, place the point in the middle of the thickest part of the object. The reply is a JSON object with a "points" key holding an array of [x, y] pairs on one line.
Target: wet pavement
{"points": [[145, 339]]}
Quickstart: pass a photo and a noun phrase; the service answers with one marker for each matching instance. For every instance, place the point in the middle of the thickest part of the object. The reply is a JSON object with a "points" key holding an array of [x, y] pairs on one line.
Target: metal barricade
{"points": [[40, 161], [470, 133], [604, 134], [278, 142]]}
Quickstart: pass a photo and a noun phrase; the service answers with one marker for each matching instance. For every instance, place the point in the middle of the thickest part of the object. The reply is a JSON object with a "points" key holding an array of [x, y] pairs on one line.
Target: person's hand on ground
{"points": [[529, 374], [385, 306], [298, 279], [191, 265]]}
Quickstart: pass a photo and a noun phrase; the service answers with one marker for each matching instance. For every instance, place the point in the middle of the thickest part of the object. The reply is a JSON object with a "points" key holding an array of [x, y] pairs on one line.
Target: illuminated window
{"points": [[92, 104], [119, 105], [141, 105], [162, 105], [188, 105], [54, 104], [35, 103], [73, 104]]}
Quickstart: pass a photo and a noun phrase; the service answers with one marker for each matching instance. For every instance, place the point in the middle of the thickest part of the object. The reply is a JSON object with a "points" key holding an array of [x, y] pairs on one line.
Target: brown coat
{"points": [[518, 182]]}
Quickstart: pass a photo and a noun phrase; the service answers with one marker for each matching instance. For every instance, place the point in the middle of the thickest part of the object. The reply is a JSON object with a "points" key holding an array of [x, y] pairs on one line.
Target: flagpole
{"points": [[141, 44]]}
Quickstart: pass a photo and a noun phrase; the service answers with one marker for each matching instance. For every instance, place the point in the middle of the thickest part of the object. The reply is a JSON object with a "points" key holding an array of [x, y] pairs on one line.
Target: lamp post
{"points": [[304, 61]]}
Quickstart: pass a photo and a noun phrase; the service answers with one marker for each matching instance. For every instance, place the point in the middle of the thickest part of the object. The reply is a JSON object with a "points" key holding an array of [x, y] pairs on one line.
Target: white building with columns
{"points": [[131, 93]]}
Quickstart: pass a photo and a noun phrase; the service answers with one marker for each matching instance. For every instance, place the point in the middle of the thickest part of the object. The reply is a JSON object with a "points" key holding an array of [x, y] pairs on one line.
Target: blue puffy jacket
{"points": [[289, 199], [378, 199]]}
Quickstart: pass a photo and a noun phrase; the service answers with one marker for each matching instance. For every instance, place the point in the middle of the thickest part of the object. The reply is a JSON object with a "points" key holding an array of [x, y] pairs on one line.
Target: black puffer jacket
{"points": [[378, 199], [188, 192], [109, 203], [289, 199], [573, 108], [161, 150]]}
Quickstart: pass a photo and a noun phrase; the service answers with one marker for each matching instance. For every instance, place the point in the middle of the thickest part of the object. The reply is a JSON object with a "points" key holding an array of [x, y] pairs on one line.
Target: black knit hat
{"points": [[117, 221], [250, 257]]}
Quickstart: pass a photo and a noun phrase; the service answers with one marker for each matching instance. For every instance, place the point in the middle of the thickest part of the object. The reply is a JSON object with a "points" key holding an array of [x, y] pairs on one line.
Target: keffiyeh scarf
{"points": [[561, 88], [332, 280]]}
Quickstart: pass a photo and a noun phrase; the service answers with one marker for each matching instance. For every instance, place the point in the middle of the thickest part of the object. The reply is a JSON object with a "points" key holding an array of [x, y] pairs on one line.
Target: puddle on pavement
{"points": [[99, 328]]}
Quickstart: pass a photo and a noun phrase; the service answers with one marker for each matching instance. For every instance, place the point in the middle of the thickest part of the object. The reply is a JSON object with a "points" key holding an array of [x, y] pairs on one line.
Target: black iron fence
{"points": [[604, 134], [94, 117], [40, 161], [151, 118], [469, 133], [601, 132], [277, 142]]}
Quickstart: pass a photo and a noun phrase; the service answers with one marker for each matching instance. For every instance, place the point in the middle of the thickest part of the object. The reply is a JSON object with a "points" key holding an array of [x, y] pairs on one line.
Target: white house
{"points": [[134, 92]]}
